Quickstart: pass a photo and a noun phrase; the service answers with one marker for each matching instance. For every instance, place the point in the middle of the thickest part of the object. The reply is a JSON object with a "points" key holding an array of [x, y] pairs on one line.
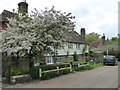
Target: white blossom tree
{"points": [[35, 35]]}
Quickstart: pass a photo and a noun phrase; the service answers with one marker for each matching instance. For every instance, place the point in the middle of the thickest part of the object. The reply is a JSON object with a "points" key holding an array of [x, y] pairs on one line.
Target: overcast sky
{"points": [[100, 16]]}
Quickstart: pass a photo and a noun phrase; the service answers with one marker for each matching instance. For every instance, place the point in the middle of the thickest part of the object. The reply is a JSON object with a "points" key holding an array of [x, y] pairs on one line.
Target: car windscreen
{"points": [[108, 57]]}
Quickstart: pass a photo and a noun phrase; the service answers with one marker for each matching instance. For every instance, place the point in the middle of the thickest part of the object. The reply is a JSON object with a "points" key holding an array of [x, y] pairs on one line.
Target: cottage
{"points": [[76, 44], [99, 46]]}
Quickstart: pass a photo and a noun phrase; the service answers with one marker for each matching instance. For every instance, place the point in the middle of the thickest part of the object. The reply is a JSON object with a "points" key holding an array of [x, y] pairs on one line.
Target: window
{"points": [[78, 46], [60, 59], [70, 46], [49, 60]]}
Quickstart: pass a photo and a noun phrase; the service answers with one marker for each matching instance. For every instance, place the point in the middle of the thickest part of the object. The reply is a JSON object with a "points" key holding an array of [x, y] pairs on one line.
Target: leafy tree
{"points": [[37, 35], [92, 37], [114, 40]]}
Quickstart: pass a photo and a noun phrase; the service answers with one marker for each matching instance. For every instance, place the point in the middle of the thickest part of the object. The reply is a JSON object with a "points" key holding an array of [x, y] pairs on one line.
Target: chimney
{"points": [[103, 39], [23, 7], [82, 31]]}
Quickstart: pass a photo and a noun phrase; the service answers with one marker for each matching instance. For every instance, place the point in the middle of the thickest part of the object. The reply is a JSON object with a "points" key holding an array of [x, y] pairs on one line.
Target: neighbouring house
{"points": [[23, 6], [100, 46], [76, 42]]}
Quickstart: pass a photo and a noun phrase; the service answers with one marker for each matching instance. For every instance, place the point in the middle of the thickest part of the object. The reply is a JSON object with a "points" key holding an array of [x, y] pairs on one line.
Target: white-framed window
{"points": [[49, 60]]}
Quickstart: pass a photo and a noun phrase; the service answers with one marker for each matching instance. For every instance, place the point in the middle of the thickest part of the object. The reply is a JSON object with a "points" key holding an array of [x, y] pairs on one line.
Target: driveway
{"points": [[103, 77]]}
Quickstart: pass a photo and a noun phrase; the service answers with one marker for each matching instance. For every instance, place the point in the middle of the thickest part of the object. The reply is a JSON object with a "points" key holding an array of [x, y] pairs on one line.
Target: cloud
{"points": [[98, 16]]}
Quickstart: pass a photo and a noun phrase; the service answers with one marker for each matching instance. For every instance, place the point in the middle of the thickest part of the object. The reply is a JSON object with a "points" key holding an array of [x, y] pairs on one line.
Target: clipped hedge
{"points": [[16, 72], [34, 71], [83, 68], [52, 74], [80, 62], [88, 67], [48, 75], [64, 71]]}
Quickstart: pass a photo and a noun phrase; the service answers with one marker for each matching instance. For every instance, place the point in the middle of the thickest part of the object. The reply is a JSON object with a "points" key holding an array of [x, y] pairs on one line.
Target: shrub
{"points": [[16, 72], [76, 57], [83, 68], [34, 71], [97, 61], [48, 75], [80, 62], [64, 71], [52, 74]]}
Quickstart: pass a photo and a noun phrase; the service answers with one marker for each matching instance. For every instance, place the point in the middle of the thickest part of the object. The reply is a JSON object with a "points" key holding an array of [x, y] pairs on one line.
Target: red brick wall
{"points": [[3, 27]]}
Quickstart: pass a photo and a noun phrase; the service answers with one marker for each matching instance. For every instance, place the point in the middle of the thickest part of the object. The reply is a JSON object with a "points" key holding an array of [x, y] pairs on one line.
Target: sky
{"points": [[99, 16]]}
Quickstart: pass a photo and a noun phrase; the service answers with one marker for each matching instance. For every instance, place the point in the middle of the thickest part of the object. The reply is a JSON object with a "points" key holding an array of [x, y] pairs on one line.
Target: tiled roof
{"points": [[98, 44], [95, 44], [6, 14], [74, 37]]}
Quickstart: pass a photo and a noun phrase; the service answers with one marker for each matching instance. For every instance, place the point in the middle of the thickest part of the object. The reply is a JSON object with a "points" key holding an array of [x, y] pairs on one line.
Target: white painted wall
{"points": [[63, 51]]}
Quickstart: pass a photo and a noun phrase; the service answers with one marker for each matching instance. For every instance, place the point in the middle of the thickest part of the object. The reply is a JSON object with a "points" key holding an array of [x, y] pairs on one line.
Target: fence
{"points": [[58, 68]]}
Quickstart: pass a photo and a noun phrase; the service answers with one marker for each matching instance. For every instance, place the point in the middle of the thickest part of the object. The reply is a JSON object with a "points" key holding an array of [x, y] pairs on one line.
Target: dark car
{"points": [[110, 60]]}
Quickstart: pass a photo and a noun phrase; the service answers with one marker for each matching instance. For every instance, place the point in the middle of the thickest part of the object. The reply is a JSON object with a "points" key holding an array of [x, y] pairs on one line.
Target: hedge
{"points": [[34, 71], [88, 67], [16, 72], [52, 74]]}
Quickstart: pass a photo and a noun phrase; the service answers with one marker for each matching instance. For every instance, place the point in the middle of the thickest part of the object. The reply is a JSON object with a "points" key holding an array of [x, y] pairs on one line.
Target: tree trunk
{"points": [[9, 69]]}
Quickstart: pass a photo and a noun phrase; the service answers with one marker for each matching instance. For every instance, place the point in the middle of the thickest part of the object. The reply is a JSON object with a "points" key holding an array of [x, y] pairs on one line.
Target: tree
{"points": [[92, 37], [36, 35], [114, 41]]}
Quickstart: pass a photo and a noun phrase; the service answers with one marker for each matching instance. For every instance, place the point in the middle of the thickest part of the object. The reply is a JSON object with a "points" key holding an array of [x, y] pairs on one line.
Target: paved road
{"points": [[103, 77]]}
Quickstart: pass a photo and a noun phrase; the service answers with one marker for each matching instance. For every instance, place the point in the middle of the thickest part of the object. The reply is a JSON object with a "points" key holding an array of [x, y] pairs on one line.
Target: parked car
{"points": [[109, 59]]}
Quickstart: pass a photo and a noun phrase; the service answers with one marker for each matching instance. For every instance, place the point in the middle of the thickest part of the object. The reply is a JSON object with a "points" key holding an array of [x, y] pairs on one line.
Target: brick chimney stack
{"points": [[103, 39], [82, 31], [23, 7]]}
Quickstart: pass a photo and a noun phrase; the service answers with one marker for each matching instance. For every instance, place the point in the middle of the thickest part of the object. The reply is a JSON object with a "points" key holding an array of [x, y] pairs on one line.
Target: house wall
{"points": [[3, 26], [21, 65], [71, 51], [68, 50], [87, 49]]}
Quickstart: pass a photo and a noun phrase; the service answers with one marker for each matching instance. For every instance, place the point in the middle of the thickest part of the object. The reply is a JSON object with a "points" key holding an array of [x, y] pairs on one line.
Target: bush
{"points": [[64, 71], [48, 75], [80, 62], [76, 56], [52, 74], [16, 72], [83, 68], [97, 61], [34, 71]]}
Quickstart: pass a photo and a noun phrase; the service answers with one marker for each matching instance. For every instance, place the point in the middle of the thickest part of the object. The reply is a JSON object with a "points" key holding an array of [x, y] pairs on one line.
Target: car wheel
{"points": [[114, 64], [104, 64]]}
